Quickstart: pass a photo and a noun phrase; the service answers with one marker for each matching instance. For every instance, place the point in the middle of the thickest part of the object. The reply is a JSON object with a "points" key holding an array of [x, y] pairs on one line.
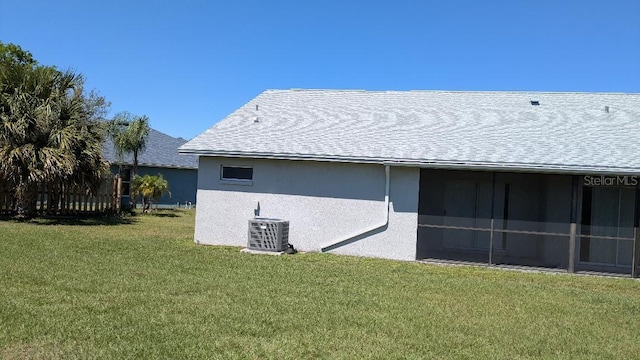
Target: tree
{"points": [[12, 55], [129, 134], [50, 131], [150, 188]]}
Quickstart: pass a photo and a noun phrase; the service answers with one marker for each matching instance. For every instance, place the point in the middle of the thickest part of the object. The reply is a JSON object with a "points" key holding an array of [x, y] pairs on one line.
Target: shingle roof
{"points": [[161, 151], [566, 132]]}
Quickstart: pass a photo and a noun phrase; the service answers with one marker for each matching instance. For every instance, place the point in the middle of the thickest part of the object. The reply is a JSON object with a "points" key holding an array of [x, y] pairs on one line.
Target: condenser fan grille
{"points": [[268, 234]]}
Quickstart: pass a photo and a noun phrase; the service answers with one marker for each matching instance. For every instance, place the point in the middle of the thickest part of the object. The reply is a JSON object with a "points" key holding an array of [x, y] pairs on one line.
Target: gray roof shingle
{"points": [[161, 151], [566, 132]]}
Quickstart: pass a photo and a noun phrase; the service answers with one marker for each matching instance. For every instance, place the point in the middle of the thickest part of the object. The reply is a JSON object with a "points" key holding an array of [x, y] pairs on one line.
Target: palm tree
{"points": [[150, 188], [160, 187], [129, 134], [48, 130]]}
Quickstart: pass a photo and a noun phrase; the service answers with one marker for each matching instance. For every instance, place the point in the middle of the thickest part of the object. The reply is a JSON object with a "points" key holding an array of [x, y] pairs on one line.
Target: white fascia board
{"points": [[433, 164]]}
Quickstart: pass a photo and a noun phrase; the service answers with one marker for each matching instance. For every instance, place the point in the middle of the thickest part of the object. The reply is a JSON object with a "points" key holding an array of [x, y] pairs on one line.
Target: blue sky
{"points": [[187, 64]]}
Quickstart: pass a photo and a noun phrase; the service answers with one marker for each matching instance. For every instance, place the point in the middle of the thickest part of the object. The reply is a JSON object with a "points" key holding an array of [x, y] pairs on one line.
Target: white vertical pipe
{"points": [[382, 224]]}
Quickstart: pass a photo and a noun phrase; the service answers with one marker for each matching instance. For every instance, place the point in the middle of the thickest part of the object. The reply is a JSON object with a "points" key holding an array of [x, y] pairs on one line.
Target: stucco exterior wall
{"points": [[324, 203]]}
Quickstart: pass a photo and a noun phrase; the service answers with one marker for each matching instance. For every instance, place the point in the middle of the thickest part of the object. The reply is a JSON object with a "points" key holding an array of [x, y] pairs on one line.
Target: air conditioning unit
{"points": [[268, 234]]}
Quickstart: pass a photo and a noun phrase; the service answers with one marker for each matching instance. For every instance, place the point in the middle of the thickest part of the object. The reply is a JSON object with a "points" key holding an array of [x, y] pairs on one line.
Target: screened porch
{"points": [[523, 219]]}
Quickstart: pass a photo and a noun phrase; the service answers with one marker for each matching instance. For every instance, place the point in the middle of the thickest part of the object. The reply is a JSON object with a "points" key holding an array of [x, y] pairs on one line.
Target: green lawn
{"points": [[140, 288]]}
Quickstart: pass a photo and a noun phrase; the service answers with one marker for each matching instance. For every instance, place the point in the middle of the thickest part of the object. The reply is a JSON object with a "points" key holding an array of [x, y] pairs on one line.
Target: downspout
{"points": [[339, 243]]}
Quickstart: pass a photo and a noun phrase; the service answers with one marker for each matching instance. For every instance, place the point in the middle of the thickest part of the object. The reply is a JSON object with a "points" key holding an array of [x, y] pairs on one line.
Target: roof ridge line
{"points": [[455, 91]]}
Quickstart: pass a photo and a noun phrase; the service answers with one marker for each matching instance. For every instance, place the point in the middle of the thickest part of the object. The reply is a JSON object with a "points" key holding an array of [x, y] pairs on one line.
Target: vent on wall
{"points": [[268, 234]]}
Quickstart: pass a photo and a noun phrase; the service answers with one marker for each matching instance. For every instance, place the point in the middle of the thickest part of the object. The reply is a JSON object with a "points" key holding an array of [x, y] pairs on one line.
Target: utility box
{"points": [[268, 234]]}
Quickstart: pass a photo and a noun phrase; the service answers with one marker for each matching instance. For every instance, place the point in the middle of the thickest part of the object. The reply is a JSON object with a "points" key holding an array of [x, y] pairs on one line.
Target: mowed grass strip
{"points": [[140, 288]]}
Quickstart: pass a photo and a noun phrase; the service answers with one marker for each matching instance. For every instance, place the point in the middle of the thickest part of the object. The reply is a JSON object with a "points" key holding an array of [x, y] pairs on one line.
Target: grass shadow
{"points": [[126, 218], [169, 215], [76, 220], [164, 213]]}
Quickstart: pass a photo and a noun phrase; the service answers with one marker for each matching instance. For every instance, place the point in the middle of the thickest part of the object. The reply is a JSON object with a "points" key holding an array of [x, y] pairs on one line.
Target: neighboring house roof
{"points": [[161, 151], [566, 132]]}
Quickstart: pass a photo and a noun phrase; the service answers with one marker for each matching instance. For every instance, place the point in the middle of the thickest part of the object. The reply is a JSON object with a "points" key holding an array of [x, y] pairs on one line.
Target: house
{"points": [[516, 178], [160, 156]]}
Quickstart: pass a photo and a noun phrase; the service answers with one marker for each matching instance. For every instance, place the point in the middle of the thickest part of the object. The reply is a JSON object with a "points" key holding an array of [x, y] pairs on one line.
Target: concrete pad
{"points": [[261, 252]]}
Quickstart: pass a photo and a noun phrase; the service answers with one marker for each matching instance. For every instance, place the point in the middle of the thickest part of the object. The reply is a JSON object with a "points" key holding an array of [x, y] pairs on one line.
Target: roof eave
{"points": [[514, 167], [118, 163], [429, 163], [277, 156]]}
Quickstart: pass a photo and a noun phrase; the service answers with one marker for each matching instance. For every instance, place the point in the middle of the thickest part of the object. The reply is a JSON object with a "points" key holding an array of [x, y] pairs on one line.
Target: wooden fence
{"points": [[71, 200]]}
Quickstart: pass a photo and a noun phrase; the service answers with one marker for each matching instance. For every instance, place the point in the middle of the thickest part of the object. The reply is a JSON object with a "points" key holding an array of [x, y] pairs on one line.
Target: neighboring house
{"points": [[160, 156], [520, 178]]}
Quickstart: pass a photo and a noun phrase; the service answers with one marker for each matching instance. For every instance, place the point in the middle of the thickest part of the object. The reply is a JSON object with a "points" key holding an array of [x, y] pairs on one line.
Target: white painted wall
{"points": [[324, 203]]}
